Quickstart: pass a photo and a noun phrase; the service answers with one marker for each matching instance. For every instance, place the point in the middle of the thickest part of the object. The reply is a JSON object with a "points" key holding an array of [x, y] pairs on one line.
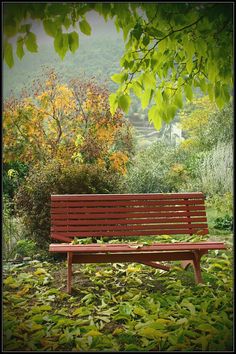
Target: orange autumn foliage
{"points": [[71, 123]]}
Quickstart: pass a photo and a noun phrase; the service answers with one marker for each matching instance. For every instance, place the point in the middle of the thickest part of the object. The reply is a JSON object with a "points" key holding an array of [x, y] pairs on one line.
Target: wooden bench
{"points": [[127, 215]]}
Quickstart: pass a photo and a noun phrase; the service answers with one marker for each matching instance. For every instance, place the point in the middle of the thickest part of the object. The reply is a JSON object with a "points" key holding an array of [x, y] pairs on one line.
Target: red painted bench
{"points": [[127, 215]]}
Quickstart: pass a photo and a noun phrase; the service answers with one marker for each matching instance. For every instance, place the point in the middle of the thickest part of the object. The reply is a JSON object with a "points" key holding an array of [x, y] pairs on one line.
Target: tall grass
{"points": [[12, 230], [216, 170]]}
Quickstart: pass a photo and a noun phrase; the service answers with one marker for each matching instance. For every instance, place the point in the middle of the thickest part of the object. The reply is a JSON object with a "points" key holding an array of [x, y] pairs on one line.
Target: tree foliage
{"points": [[166, 53], [68, 123], [204, 125]]}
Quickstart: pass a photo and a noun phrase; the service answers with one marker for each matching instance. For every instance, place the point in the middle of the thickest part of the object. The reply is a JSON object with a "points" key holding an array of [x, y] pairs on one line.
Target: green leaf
{"points": [[137, 88], [149, 80], [171, 111], [8, 54], [85, 27], [93, 333], [220, 102], [10, 29], [188, 92], [189, 66], [205, 327], [137, 31], [45, 308], [154, 117], [66, 22], [146, 98], [212, 70], [40, 271], [81, 311], [61, 44], [125, 309], [73, 41], [146, 40], [178, 100], [151, 333], [225, 93], [139, 311], [210, 90], [50, 28], [31, 43], [113, 103], [119, 78], [189, 306], [19, 48], [124, 102]]}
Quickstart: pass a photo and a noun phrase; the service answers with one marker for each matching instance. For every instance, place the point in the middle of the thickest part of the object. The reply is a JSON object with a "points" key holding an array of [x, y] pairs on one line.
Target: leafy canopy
{"points": [[69, 123], [205, 126], [170, 49]]}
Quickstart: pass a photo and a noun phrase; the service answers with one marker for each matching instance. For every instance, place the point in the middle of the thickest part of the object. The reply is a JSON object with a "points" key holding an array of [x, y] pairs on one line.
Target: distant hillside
{"points": [[97, 56]]}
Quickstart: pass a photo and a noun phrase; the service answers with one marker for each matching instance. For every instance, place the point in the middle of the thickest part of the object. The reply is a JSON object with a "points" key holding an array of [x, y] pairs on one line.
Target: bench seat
{"points": [[126, 216], [131, 248]]}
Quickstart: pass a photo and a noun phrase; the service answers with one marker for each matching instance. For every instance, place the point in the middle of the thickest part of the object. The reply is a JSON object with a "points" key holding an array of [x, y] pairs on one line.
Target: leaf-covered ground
{"points": [[118, 307]]}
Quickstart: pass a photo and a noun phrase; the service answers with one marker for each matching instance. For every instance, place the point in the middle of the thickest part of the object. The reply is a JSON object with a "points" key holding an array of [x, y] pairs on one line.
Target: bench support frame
{"points": [[187, 258]]}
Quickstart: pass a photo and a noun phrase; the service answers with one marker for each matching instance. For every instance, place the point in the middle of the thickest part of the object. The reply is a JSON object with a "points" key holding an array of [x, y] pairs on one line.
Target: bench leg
{"points": [[156, 265], [197, 268], [69, 272], [196, 265], [186, 264]]}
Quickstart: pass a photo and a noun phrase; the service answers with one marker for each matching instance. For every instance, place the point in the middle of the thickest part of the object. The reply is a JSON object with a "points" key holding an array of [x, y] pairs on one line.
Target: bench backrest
{"points": [[120, 215]]}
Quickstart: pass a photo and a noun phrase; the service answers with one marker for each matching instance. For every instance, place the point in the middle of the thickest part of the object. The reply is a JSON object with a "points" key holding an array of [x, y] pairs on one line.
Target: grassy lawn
{"points": [[119, 307]]}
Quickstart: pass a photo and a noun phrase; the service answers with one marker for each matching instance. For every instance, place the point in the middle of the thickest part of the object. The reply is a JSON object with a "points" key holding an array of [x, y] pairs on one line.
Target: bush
{"points": [[157, 169], [12, 229], [224, 223], [13, 175], [33, 198], [216, 170], [26, 248]]}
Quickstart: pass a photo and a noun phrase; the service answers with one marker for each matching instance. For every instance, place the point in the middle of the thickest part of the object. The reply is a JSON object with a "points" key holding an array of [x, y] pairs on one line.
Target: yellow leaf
{"points": [[93, 333], [40, 271], [139, 311], [24, 290], [151, 333], [117, 331]]}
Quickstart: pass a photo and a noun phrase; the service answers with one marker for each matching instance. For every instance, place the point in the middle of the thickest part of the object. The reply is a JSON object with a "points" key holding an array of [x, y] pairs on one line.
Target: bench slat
{"points": [[128, 216], [131, 233], [111, 203], [149, 196], [129, 221], [123, 210], [128, 248], [125, 227]]}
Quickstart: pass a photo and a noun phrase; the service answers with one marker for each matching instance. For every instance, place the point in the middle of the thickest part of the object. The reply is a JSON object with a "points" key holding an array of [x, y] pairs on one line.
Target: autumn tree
{"points": [[204, 125], [170, 48], [68, 123]]}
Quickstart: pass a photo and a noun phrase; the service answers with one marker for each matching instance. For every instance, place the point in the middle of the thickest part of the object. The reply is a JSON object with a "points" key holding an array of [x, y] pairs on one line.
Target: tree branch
{"points": [[157, 42]]}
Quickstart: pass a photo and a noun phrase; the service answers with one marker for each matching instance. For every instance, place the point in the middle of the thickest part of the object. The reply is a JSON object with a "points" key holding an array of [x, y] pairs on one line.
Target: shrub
{"points": [[33, 198], [224, 223], [26, 248], [13, 175], [12, 229], [159, 168], [216, 170]]}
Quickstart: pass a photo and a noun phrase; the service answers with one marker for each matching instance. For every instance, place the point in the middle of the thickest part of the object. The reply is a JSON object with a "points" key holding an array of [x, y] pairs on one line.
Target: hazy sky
{"points": [[97, 22]]}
